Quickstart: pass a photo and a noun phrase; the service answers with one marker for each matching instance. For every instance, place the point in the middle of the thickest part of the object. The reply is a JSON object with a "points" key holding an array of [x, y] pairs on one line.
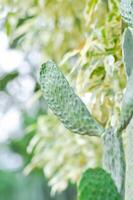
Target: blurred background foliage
{"points": [[84, 38]]}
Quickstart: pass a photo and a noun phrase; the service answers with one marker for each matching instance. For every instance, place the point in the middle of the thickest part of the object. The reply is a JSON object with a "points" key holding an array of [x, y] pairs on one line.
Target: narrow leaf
{"points": [[4, 80]]}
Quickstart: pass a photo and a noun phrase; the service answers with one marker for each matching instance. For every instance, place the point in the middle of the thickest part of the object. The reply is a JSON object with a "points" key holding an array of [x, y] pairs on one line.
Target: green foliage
{"points": [[33, 25], [97, 184], [65, 103], [17, 186], [4, 80], [102, 48]]}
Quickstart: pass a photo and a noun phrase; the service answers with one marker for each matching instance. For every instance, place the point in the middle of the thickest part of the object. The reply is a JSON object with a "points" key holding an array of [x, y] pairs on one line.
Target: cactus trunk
{"points": [[129, 161], [114, 159]]}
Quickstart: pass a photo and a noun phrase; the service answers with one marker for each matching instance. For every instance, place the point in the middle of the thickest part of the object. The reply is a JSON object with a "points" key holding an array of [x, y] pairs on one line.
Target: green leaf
{"points": [[98, 72], [63, 101], [128, 51], [7, 78], [17, 41], [126, 8], [97, 184], [24, 19]]}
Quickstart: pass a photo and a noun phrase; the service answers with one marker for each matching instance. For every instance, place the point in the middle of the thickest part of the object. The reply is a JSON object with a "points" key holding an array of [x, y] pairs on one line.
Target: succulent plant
{"points": [[72, 112], [97, 184]]}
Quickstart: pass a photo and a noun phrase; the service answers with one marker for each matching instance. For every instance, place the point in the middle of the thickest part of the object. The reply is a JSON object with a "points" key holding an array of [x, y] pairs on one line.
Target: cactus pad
{"points": [[97, 184], [63, 101], [127, 104], [127, 11], [128, 51]]}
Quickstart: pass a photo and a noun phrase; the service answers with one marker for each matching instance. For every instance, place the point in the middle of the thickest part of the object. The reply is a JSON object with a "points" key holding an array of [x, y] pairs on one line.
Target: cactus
{"points": [[109, 183], [128, 51], [126, 117], [129, 168], [75, 116], [127, 104], [97, 184]]}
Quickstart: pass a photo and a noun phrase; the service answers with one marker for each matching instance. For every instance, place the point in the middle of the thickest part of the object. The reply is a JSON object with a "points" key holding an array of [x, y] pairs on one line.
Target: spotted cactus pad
{"points": [[97, 184], [127, 103], [63, 101], [128, 51], [126, 8]]}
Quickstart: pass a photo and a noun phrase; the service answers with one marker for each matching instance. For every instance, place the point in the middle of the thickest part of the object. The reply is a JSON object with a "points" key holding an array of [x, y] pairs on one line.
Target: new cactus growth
{"points": [[97, 184], [108, 183]]}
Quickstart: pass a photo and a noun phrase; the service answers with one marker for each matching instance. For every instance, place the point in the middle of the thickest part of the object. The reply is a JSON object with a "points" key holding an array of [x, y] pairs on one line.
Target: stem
{"points": [[114, 159], [129, 161]]}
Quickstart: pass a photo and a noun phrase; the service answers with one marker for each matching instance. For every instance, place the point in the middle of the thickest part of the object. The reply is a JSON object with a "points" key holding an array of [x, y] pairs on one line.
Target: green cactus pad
{"points": [[128, 51], [127, 11], [97, 184], [62, 100], [127, 104]]}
